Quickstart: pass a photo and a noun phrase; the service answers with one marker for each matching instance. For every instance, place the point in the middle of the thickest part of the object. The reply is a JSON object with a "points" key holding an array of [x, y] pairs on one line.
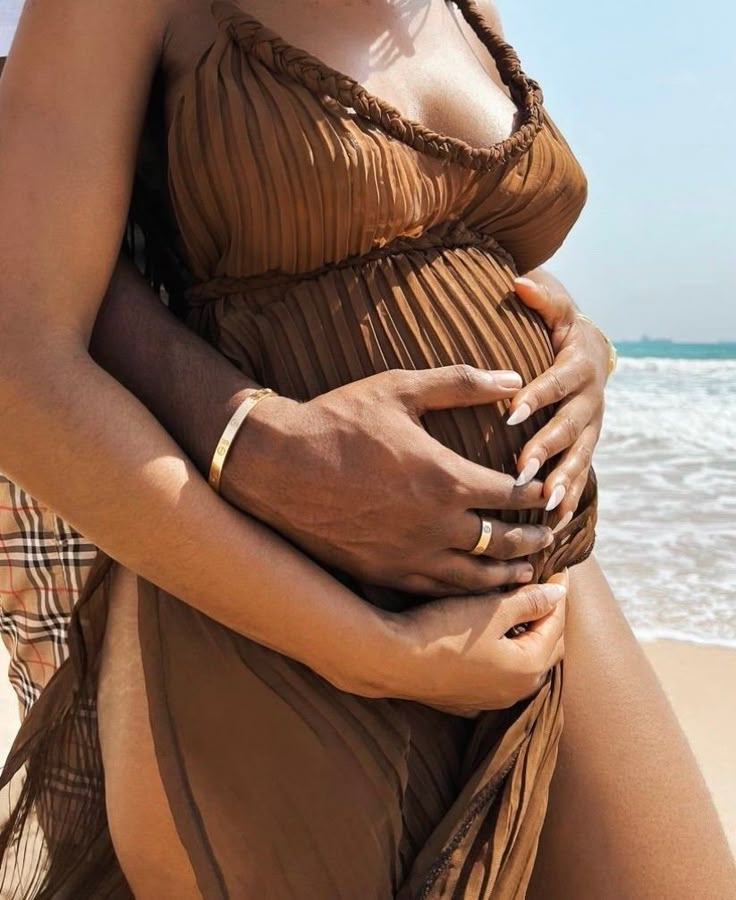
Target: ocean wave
{"points": [[714, 367], [672, 634], [683, 407], [667, 475]]}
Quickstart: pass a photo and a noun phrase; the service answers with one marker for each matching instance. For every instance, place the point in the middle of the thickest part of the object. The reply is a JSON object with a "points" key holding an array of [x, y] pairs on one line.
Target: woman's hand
{"points": [[575, 382], [457, 656]]}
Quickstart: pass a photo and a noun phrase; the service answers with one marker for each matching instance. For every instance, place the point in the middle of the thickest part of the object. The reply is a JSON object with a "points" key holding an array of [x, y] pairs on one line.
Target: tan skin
{"points": [[654, 772]]}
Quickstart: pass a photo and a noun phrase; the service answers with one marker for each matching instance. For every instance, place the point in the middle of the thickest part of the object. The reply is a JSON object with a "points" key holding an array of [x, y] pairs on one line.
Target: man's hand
{"points": [[354, 479], [575, 383]]}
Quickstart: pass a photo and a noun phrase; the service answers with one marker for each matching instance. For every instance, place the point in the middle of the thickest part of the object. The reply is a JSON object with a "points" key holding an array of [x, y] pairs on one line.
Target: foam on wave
{"points": [[667, 471]]}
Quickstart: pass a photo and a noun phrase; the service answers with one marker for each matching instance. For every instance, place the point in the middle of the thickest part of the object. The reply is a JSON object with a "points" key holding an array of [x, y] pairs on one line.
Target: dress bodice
{"points": [[278, 163]]}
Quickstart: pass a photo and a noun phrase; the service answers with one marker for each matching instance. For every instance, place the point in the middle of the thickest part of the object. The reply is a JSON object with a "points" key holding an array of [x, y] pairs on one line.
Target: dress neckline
{"points": [[320, 79]]}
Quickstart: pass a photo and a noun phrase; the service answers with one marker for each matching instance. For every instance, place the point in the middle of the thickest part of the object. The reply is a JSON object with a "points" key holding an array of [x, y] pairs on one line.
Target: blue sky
{"points": [[644, 93]]}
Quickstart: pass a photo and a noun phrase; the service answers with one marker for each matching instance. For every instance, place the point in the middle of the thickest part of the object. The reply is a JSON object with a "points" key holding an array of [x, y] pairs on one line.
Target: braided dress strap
{"points": [[321, 80]]}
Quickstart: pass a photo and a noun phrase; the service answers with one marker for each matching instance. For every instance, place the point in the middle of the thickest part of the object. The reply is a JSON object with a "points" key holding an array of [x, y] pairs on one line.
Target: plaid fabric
{"points": [[44, 563]]}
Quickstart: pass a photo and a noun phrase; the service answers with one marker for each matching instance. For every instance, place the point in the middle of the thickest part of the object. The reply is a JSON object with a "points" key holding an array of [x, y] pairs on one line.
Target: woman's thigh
{"points": [[142, 829], [629, 815], [316, 785]]}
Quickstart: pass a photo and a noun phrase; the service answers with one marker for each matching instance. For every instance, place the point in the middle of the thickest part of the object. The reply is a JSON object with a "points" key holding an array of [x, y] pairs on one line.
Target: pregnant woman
{"points": [[298, 741]]}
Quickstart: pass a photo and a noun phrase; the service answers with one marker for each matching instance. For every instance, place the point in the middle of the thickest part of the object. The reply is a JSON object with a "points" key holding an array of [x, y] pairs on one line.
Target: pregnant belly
{"points": [[414, 310]]}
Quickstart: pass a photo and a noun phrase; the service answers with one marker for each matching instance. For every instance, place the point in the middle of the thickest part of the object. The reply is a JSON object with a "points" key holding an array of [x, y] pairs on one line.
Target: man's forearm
{"points": [[188, 386]]}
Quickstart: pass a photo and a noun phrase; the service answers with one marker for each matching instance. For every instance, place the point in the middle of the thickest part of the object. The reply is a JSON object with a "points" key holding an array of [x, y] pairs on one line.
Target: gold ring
{"points": [[486, 530]]}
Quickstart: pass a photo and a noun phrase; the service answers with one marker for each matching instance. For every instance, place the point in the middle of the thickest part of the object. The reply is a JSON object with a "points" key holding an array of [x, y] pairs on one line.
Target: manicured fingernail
{"points": [[554, 592], [563, 523], [526, 282], [526, 576], [528, 472], [521, 414], [508, 379], [556, 497], [562, 577], [550, 539]]}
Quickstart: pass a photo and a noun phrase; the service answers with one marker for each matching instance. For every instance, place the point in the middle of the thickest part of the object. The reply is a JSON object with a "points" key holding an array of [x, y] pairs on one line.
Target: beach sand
{"points": [[699, 680]]}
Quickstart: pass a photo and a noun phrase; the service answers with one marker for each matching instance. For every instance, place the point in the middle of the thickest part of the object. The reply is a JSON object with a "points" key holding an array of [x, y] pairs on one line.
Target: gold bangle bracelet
{"points": [[228, 435], [612, 351]]}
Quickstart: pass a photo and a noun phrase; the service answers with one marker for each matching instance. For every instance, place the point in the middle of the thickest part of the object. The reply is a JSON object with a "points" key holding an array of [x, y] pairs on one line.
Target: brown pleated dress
{"points": [[332, 238]]}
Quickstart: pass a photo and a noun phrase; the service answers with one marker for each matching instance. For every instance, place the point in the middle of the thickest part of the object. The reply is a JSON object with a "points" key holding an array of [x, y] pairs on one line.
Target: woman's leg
{"points": [[143, 833], [629, 815]]}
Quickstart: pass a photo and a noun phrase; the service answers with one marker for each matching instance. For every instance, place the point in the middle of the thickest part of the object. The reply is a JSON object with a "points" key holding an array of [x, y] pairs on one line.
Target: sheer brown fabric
{"points": [[332, 238]]}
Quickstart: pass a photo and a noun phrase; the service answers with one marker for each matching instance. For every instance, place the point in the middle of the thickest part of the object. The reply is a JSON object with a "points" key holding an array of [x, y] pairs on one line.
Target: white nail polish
{"points": [[556, 498], [563, 523], [525, 282], [528, 472], [521, 415], [509, 380], [555, 592]]}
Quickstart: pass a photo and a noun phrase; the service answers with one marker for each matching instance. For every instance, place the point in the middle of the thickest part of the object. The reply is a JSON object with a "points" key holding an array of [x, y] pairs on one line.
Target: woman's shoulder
{"points": [[158, 15]]}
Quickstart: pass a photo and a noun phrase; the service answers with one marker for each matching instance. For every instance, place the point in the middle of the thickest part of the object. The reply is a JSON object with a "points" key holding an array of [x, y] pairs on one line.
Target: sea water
{"points": [[666, 464]]}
